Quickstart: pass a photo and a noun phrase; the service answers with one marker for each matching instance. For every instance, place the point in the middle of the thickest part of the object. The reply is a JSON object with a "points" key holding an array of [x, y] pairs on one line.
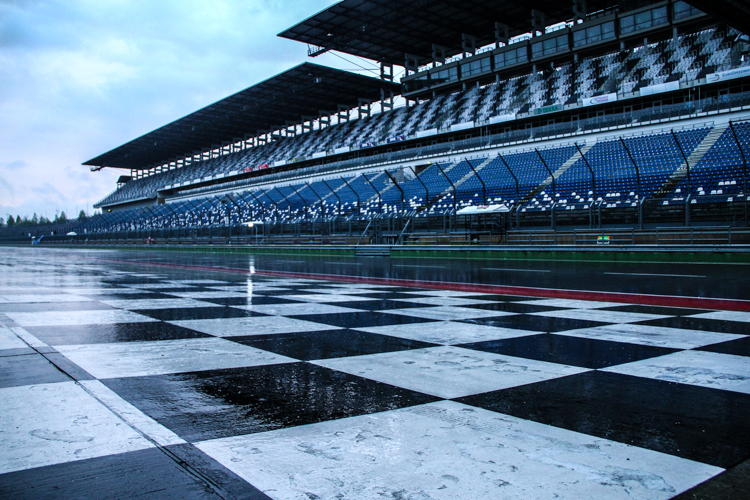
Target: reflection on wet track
{"points": [[198, 375]]}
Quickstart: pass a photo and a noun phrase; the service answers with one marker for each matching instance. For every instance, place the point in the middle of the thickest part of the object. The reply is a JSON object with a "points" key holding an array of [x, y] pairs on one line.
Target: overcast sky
{"points": [[80, 77]]}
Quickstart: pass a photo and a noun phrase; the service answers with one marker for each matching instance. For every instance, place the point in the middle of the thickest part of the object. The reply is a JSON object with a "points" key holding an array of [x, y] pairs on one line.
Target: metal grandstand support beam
{"points": [[403, 199], [287, 200], [304, 202], [510, 171], [744, 168], [359, 202], [641, 198], [426, 191], [682, 152], [380, 199], [451, 183], [333, 191], [484, 186], [262, 206], [322, 210], [554, 188], [593, 178], [689, 190]]}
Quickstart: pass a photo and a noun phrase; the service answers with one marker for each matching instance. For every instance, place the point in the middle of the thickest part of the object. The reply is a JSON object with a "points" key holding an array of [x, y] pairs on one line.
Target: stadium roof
{"points": [[304, 90], [386, 30]]}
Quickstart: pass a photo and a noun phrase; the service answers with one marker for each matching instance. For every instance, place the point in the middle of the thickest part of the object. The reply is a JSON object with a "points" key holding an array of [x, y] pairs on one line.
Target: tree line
{"points": [[36, 220]]}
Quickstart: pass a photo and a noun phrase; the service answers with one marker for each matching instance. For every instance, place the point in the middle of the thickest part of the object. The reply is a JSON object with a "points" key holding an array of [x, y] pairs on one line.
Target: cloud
{"points": [[13, 165], [80, 77]]}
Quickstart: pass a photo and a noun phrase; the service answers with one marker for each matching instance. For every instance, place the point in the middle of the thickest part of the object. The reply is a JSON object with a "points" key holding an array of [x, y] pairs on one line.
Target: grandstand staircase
{"points": [[681, 172], [435, 198], [466, 177], [557, 173]]}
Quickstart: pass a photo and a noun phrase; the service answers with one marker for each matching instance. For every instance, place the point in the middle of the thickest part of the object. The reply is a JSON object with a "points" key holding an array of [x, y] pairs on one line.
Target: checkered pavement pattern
{"points": [[116, 383]]}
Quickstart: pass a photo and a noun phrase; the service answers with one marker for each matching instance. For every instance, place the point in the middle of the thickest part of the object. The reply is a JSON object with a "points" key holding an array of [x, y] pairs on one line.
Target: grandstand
{"points": [[604, 114]]}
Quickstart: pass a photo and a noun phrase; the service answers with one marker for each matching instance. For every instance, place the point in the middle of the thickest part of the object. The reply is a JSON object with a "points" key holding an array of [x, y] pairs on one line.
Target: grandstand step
{"points": [[557, 173], [373, 251], [695, 157]]}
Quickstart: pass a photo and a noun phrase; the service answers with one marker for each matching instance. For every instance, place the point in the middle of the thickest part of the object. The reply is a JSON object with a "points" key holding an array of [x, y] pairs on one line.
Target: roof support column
{"points": [[579, 9], [468, 44], [307, 123], [342, 115], [386, 100], [364, 107], [438, 54], [386, 72], [501, 35], [411, 63], [324, 119], [537, 22]]}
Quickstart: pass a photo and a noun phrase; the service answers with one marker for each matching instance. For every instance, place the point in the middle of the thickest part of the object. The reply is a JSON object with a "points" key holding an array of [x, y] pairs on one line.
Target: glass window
{"points": [[419, 83], [643, 20], [594, 34], [444, 76], [659, 16], [511, 57], [683, 9], [475, 67], [549, 46], [626, 24]]}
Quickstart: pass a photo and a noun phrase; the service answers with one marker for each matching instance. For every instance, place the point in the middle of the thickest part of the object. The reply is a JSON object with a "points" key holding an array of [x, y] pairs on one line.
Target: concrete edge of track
{"points": [[677, 254]]}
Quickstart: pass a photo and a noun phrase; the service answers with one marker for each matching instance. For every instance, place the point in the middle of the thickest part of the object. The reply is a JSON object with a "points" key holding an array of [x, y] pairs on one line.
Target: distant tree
{"points": [[62, 217], [2, 222], [35, 219], [11, 221], [25, 221], [44, 220], [82, 216]]}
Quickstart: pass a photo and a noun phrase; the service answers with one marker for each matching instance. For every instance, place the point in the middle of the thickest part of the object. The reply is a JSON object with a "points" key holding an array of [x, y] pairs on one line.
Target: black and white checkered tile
{"points": [[167, 385]]}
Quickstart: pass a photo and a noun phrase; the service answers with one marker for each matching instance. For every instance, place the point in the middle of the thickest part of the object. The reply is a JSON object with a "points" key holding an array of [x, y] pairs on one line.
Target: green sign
{"points": [[548, 109]]}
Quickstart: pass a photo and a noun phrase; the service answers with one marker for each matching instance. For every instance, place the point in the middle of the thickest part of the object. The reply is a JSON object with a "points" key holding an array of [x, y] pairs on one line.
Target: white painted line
{"points": [[665, 275], [405, 265], [520, 270]]}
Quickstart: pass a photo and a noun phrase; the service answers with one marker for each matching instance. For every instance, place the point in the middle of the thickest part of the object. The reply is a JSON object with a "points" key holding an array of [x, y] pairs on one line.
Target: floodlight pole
{"points": [[744, 168], [484, 187]]}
